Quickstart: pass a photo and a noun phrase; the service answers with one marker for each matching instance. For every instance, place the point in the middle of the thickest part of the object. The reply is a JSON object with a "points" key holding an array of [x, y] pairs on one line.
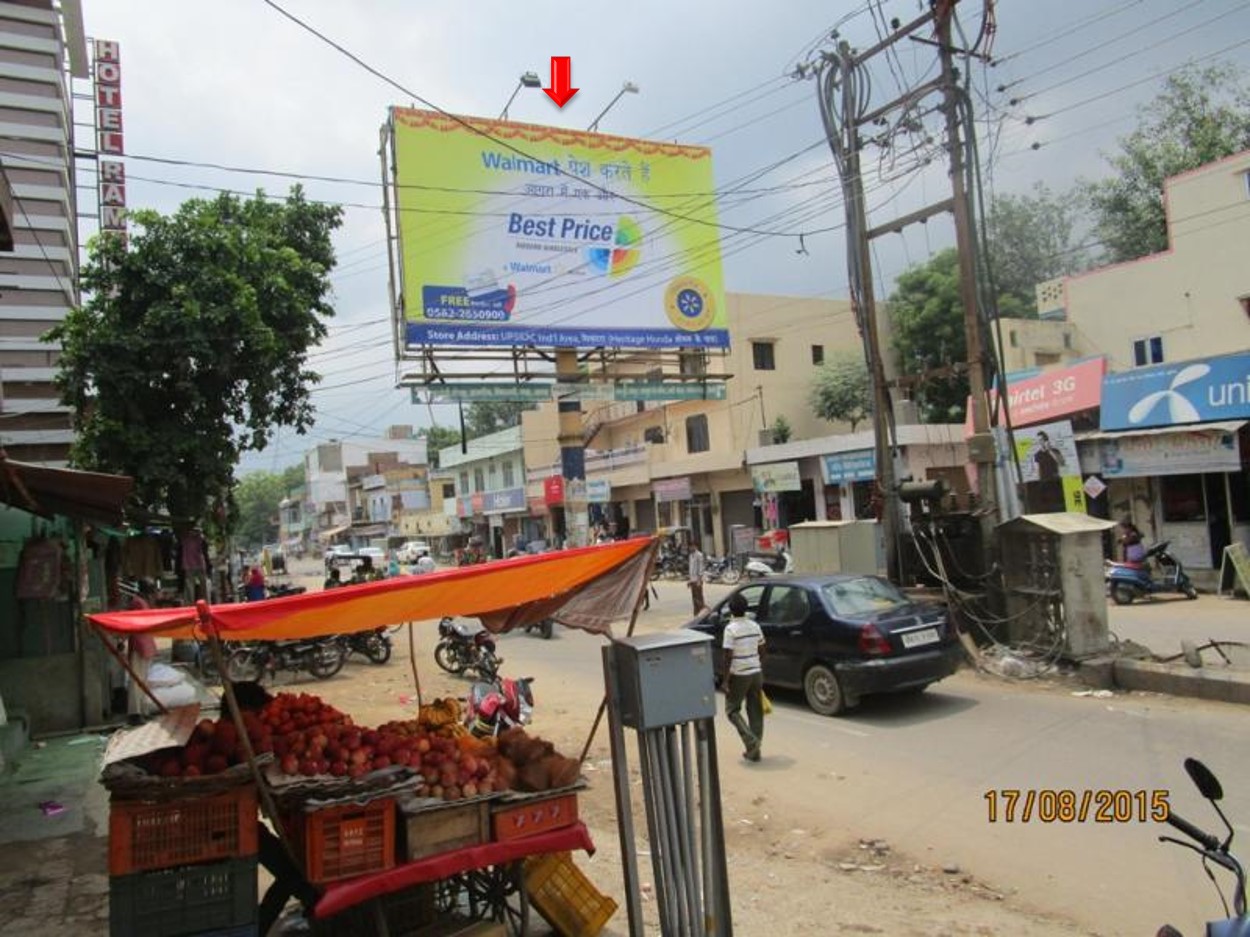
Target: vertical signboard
{"points": [[110, 139]]}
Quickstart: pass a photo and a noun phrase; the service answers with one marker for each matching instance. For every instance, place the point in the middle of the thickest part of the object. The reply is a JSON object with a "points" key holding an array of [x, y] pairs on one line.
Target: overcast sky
{"points": [[234, 83]]}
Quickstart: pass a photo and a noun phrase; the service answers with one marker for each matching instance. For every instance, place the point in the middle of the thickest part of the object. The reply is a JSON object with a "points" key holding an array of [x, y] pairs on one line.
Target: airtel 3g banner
{"points": [[516, 234]]}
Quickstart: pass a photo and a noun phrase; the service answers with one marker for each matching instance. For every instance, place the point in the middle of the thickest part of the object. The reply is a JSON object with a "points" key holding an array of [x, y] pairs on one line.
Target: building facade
{"points": [[41, 50], [489, 481]]}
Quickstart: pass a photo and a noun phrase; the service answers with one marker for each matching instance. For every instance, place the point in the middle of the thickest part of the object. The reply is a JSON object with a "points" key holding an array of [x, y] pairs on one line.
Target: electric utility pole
{"points": [[846, 110]]}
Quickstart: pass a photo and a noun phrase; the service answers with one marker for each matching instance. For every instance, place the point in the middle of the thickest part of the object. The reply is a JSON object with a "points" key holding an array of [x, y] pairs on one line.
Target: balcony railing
{"points": [[597, 462]]}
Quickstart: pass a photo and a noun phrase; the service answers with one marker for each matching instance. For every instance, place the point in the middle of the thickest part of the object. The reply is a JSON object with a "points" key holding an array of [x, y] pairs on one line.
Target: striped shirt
{"points": [[744, 638]]}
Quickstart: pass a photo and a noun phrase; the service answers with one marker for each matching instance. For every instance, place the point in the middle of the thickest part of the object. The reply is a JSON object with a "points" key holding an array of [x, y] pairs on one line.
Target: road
{"points": [[915, 771]]}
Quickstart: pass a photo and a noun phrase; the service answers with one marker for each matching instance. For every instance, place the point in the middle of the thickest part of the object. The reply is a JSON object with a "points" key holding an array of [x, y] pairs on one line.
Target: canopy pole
{"points": [[412, 660], [245, 741], [121, 659], [633, 619]]}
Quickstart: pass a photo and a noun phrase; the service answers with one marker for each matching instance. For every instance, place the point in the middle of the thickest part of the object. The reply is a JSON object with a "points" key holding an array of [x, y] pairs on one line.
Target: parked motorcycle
{"points": [[322, 658], [495, 705], [759, 565], [376, 645], [722, 569], [1129, 581], [1212, 851], [285, 588], [466, 646], [671, 565]]}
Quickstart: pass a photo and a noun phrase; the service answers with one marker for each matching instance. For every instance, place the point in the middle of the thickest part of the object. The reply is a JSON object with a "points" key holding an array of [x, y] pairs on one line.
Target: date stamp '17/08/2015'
{"points": [[1059, 805]]}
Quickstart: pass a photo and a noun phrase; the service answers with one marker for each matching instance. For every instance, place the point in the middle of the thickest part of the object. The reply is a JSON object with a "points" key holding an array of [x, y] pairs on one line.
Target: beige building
{"points": [[684, 463], [1190, 301]]}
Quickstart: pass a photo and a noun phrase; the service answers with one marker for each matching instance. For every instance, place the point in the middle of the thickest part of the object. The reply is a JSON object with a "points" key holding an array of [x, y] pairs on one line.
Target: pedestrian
{"points": [[1131, 546], [425, 564], [254, 589], [141, 648], [334, 580], [392, 567], [743, 645], [697, 565]]}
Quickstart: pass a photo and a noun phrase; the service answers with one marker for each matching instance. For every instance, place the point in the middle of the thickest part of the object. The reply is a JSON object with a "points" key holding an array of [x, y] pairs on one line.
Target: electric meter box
{"points": [[664, 679]]}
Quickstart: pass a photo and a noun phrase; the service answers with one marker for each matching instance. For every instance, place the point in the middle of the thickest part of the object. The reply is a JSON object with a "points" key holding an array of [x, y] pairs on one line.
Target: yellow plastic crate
{"points": [[563, 895]]}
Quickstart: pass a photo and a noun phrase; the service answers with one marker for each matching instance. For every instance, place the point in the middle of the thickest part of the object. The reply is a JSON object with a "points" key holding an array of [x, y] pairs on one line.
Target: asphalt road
{"points": [[915, 771]]}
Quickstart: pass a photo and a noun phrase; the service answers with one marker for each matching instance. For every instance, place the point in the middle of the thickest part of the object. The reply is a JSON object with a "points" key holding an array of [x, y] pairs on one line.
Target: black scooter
{"points": [[1213, 851]]}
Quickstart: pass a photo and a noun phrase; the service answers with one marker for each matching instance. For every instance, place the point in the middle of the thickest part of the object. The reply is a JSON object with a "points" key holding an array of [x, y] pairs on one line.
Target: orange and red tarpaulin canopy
{"points": [[587, 588]]}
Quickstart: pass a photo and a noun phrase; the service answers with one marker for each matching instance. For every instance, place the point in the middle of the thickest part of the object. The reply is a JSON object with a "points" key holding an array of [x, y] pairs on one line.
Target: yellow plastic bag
{"points": [[768, 704]]}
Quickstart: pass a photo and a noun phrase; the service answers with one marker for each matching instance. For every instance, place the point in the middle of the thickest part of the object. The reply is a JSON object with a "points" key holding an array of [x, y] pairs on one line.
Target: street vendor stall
{"points": [[412, 823]]}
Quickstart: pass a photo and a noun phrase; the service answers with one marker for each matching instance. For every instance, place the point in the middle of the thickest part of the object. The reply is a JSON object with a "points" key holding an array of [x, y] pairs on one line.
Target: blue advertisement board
{"points": [[1202, 391], [507, 499], [843, 467]]}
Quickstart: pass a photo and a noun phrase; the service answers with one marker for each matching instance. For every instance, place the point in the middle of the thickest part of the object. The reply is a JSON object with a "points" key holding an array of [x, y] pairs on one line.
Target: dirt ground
{"points": [[784, 872]]}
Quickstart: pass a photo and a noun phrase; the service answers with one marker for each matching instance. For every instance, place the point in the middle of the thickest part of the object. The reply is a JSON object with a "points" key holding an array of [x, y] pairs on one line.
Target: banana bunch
{"points": [[443, 716]]}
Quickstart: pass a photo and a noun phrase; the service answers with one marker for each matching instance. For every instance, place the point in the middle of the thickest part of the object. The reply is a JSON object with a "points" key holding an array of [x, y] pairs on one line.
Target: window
{"points": [[818, 354], [1044, 358], [492, 470], [762, 353], [509, 478], [1067, 340], [1182, 499], [693, 363], [464, 482], [696, 433], [1011, 337], [449, 490], [1148, 351], [858, 598], [787, 605], [479, 481], [1245, 305]]}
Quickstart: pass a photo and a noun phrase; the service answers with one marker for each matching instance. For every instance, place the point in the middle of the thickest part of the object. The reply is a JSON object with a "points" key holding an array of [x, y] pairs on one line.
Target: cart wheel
{"points": [[498, 893]]}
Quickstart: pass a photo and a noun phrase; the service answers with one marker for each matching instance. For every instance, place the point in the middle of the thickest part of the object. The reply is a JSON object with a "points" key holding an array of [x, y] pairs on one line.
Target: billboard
{"points": [[1204, 391], [518, 234]]}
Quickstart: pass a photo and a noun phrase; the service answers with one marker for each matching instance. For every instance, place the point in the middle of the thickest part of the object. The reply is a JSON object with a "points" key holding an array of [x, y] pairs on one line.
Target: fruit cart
{"points": [[373, 838]]}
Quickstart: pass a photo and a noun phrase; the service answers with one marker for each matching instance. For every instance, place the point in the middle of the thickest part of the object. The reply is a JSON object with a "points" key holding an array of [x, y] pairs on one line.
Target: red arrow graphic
{"points": [[561, 78]]}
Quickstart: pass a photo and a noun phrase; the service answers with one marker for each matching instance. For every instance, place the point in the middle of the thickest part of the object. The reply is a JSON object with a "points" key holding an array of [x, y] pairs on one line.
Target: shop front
{"points": [[850, 479], [505, 510], [1172, 453]]}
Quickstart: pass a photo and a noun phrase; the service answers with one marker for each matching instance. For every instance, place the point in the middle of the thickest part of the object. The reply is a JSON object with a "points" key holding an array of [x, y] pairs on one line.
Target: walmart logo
{"points": [[1176, 405]]}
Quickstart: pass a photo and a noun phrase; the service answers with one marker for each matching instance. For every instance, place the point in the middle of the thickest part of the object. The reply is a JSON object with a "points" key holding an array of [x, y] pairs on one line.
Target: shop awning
{"points": [[333, 532], [588, 588], [1227, 426], [88, 496]]}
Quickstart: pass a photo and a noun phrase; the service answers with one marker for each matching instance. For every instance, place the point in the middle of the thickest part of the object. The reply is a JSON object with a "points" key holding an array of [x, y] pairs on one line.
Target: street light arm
{"points": [[628, 88]]}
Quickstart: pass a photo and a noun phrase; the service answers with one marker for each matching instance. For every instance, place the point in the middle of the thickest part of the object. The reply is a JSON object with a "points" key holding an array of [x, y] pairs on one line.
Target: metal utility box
{"points": [[837, 547], [664, 679], [1053, 575]]}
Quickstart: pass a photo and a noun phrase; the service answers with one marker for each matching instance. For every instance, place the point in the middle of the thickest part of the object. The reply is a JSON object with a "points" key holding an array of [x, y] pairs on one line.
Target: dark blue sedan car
{"points": [[839, 637]]}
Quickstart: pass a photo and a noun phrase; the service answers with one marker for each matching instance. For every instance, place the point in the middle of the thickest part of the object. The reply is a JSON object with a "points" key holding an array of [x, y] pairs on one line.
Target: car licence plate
{"points": [[920, 638]]}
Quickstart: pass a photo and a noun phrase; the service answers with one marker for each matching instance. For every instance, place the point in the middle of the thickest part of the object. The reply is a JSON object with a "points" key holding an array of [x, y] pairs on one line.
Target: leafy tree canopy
{"points": [[485, 417], [1032, 239], [193, 345], [927, 314], [436, 438], [257, 496], [841, 391], [1202, 115]]}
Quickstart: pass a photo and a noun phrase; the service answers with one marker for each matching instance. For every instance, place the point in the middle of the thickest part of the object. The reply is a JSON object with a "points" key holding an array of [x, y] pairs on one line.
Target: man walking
{"points": [[743, 644], [698, 565]]}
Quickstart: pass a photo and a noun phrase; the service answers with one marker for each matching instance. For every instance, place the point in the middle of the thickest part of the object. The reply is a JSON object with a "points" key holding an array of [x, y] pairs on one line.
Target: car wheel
{"points": [[1122, 593], [822, 691], [1191, 593], [730, 575]]}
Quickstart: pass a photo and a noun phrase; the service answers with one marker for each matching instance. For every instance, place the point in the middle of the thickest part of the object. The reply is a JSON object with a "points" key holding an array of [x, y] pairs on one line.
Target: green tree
{"points": [[1032, 238], [1202, 115], [927, 315], [293, 476], [436, 438], [257, 496], [841, 391], [193, 345], [485, 417], [782, 431]]}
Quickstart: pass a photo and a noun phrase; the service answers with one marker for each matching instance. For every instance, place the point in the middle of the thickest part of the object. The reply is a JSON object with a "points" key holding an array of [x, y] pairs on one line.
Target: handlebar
{"points": [[1206, 840]]}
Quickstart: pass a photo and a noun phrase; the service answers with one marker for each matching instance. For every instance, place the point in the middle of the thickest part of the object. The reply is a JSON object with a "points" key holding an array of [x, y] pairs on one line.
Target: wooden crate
{"points": [[430, 830], [537, 815]]}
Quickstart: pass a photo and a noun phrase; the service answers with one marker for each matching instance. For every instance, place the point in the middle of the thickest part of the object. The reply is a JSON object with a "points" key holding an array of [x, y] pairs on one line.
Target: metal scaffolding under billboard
{"points": [[515, 235]]}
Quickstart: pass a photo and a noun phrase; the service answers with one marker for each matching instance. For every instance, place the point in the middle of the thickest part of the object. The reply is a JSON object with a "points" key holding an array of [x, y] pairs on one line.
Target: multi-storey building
{"points": [[489, 479], [41, 49]]}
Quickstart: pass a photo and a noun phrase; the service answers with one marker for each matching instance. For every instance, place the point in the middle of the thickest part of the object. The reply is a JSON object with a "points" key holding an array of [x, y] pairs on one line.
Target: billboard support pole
{"points": [[572, 453]]}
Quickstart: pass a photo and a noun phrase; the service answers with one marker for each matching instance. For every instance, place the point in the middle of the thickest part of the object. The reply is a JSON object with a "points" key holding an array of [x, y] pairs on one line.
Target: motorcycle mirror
{"points": [[1206, 782]]}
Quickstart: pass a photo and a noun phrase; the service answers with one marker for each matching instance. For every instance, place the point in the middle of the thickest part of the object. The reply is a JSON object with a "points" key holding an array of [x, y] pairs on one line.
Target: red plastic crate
{"points": [[146, 835], [534, 816], [342, 842]]}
